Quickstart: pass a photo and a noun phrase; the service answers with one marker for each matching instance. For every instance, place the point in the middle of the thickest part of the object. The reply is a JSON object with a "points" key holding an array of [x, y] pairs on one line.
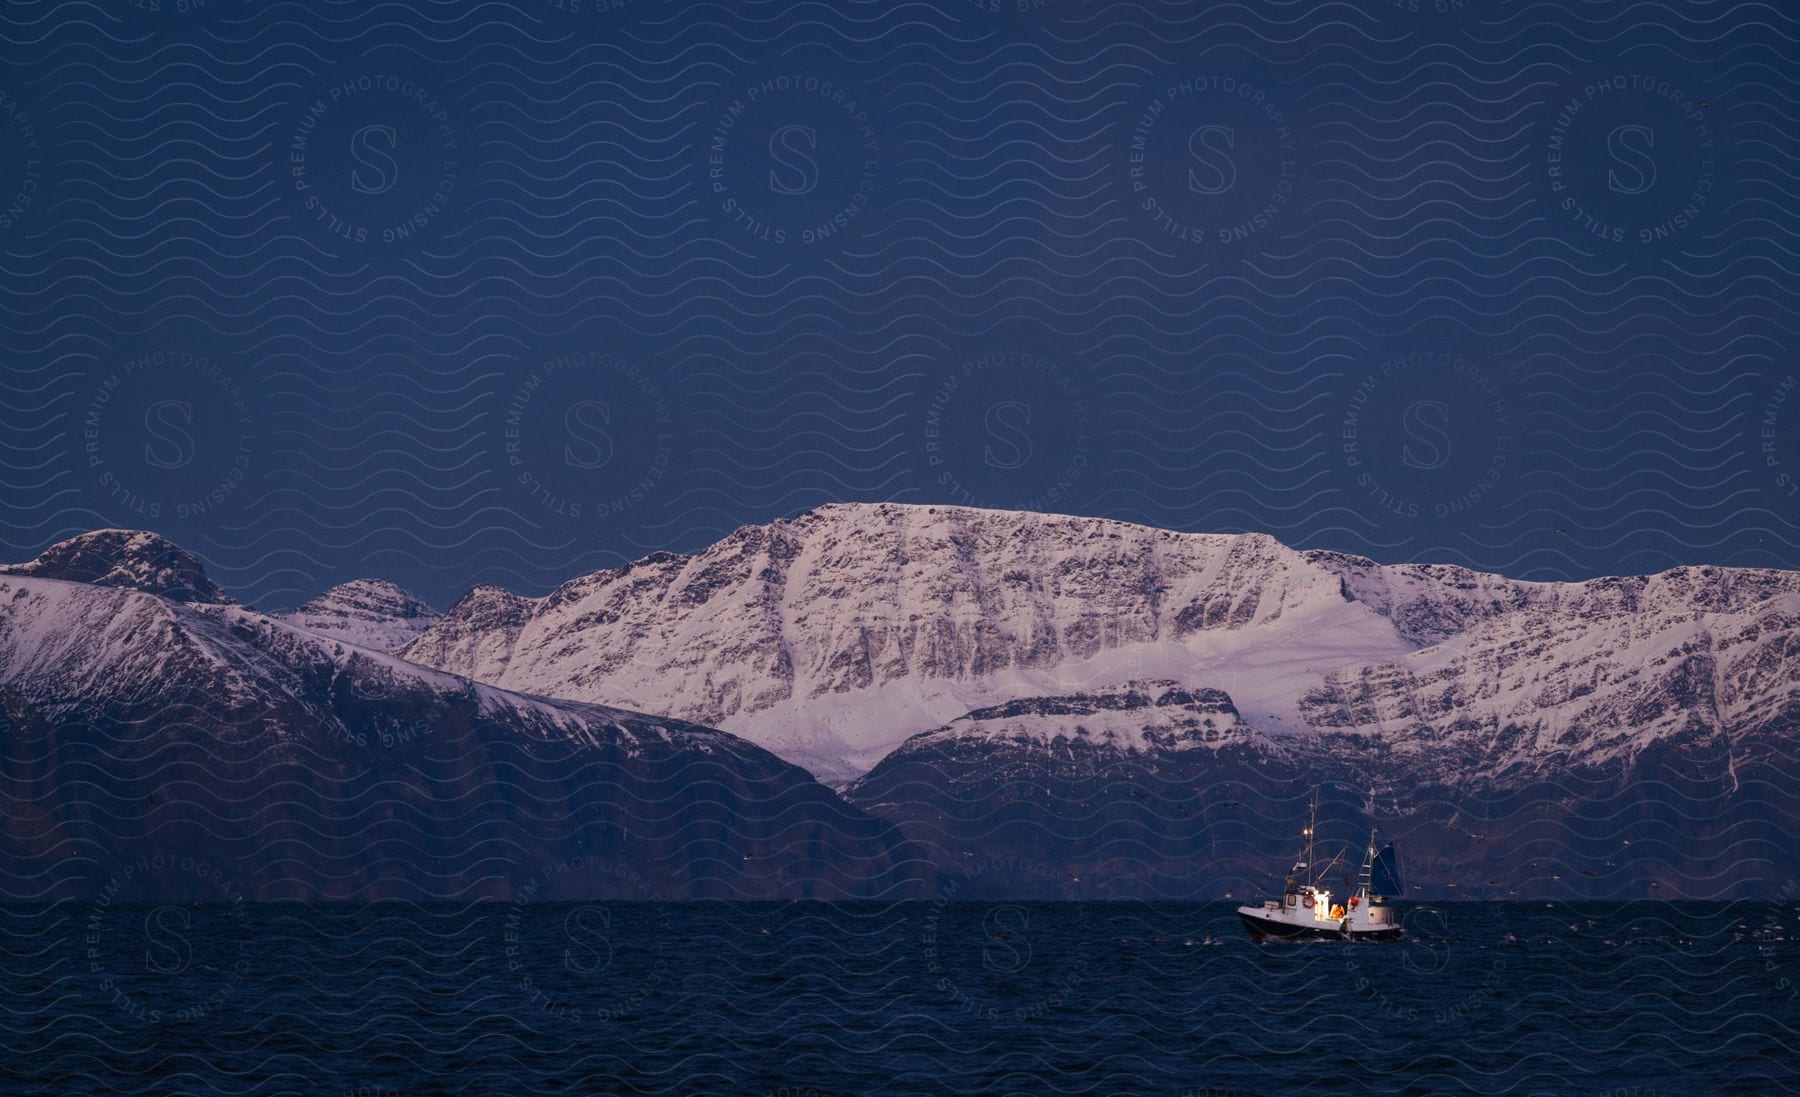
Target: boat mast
{"points": [[1312, 821]]}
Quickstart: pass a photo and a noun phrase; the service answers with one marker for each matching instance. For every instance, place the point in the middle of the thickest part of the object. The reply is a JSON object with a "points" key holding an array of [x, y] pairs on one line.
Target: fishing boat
{"points": [[1306, 910]]}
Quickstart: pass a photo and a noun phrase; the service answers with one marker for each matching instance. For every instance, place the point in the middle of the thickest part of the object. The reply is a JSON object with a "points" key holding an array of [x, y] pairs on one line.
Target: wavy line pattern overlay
{"points": [[511, 291], [457, 292]]}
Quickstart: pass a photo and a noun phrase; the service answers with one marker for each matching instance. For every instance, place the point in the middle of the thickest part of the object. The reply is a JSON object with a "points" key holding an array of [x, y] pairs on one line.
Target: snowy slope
{"points": [[1585, 676], [371, 613], [298, 765]]}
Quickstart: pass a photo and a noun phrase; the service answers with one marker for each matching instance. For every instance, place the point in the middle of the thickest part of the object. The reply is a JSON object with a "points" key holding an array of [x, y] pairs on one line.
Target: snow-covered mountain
{"points": [[125, 558], [1003, 642], [1044, 705], [143, 734], [371, 613], [832, 637]]}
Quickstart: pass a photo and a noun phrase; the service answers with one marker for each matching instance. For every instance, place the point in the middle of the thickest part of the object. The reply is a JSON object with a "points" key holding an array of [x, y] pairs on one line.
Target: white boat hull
{"points": [[1265, 924]]}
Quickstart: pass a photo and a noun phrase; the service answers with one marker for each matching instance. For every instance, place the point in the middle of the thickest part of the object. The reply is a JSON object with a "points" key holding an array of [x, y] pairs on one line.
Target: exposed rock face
{"points": [[144, 737], [125, 558], [831, 637], [1137, 717], [1428, 695], [1427, 602], [1583, 677], [370, 613]]}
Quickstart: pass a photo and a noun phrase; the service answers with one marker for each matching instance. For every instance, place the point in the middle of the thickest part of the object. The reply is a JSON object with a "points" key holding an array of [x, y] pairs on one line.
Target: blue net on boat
{"points": [[1384, 874]]}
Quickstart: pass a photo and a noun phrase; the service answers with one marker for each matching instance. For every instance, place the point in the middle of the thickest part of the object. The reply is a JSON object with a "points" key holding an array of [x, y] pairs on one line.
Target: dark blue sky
{"points": [[510, 291]]}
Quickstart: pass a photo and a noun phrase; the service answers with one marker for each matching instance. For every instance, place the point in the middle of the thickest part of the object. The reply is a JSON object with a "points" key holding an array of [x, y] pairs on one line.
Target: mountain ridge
{"points": [[1108, 709], [776, 630], [140, 729]]}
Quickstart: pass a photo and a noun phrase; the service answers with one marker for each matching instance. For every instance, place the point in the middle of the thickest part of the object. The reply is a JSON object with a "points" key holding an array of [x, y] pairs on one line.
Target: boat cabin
{"points": [[1310, 901]]}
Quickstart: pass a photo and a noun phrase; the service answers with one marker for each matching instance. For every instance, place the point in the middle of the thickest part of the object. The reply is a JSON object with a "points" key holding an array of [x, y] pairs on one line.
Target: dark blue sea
{"points": [[803, 999]]}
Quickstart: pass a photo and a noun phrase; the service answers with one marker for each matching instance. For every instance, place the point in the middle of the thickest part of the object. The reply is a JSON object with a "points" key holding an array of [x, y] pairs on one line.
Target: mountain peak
{"points": [[369, 598], [134, 558], [485, 599], [371, 613]]}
